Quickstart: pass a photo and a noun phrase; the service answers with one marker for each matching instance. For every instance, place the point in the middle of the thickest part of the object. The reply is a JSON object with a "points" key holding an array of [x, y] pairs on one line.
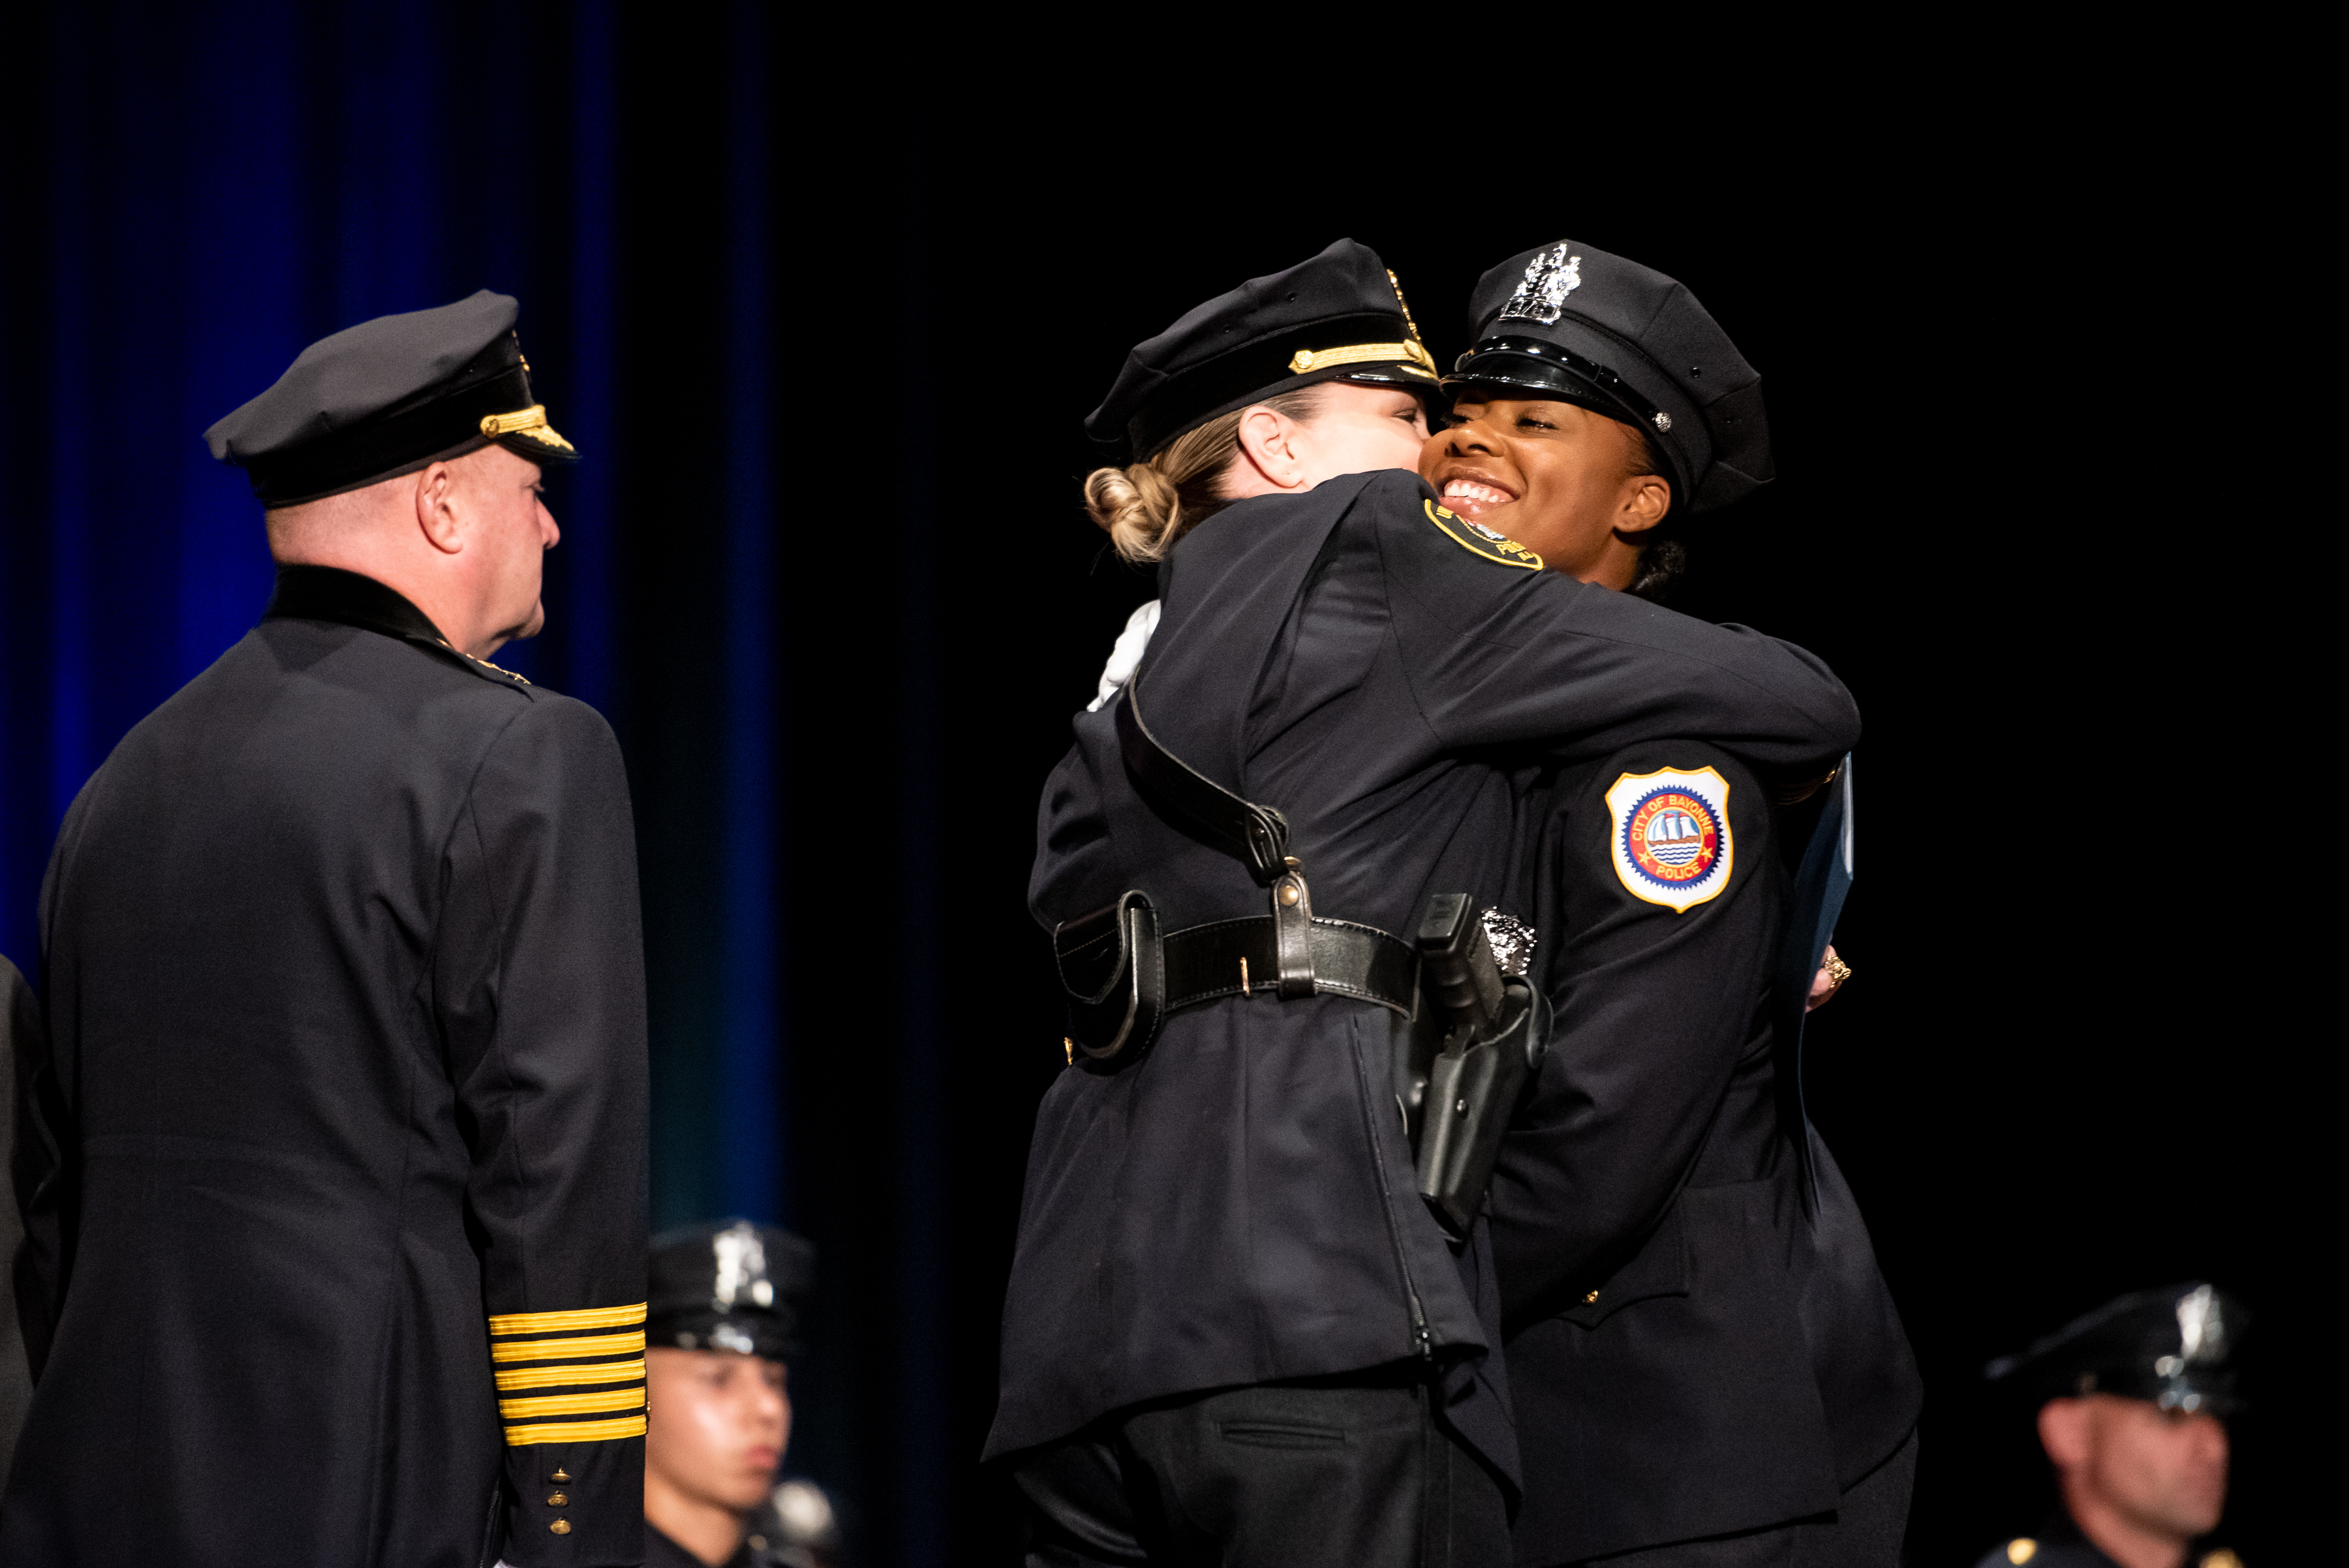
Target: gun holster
{"points": [[1497, 1032], [1472, 1092], [1114, 966]]}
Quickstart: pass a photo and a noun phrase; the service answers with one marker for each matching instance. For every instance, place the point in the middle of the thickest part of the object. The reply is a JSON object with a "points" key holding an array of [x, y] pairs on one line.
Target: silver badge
{"points": [[741, 1268], [1541, 295], [1664, 420], [1513, 942]]}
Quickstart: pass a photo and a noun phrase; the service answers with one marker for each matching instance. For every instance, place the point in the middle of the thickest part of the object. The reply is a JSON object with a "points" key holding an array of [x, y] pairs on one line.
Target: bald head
{"points": [[464, 539], [2140, 1482]]}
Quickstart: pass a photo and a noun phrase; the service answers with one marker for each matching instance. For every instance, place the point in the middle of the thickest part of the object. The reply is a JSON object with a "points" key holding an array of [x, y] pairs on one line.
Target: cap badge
{"points": [[1671, 832], [741, 1260], [1664, 420], [1541, 294]]}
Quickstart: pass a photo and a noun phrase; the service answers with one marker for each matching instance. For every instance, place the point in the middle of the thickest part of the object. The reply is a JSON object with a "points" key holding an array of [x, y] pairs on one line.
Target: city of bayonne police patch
{"points": [[1480, 540], [1669, 832]]}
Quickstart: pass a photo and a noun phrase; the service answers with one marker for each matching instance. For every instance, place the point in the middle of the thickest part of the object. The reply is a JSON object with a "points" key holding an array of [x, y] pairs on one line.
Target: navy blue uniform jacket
{"points": [[334, 1172], [1693, 1350], [1238, 1206]]}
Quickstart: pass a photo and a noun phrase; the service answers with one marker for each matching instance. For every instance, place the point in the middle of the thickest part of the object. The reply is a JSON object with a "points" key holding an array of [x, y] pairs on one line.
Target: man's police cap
{"points": [[1339, 317], [2174, 1345], [730, 1285], [387, 396], [1569, 322]]}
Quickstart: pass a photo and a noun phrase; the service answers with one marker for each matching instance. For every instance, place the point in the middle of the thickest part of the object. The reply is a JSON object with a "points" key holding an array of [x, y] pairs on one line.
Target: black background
{"points": [[2029, 335]]}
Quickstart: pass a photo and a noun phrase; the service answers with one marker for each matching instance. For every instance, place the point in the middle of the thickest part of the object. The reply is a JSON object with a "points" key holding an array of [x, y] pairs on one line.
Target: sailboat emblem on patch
{"points": [[1670, 831]]}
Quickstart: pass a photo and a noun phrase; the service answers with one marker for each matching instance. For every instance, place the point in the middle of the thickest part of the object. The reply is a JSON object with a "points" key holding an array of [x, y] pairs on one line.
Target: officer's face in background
{"points": [[2163, 1471], [1555, 478], [1358, 429], [716, 1426], [505, 508]]}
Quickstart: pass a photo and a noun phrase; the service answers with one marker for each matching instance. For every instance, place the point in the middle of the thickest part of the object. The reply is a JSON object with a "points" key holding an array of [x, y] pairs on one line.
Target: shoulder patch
{"points": [[1479, 540], [1669, 832]]}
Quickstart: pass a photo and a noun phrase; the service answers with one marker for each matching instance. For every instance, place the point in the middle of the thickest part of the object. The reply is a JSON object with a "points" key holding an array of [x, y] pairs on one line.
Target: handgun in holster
{"points": [[1495, 1031]]}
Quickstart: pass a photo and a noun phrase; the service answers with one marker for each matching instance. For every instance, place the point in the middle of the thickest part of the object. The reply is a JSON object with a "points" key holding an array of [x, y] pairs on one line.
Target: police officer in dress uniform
{"points": [[1699, 1342], [1232, 1329], [2133, 1401], [726, 1301], [334, 1189]]}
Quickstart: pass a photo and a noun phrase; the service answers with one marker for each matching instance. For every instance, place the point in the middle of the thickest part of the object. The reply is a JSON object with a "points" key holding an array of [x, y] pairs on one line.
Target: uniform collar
{"points": [[348, 599]]}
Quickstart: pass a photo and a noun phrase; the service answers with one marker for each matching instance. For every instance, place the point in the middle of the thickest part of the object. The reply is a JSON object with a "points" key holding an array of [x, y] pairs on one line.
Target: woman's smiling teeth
{"points": [[1472, 499]]}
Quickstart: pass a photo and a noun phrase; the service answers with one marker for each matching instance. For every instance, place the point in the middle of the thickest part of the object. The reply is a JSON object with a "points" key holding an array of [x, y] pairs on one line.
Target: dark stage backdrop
{"points": [[823, 313]]}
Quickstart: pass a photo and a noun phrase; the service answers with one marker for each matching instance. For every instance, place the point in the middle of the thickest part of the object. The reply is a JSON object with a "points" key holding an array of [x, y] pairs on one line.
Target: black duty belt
{"points": [[1241, 958], [1124, 977]]}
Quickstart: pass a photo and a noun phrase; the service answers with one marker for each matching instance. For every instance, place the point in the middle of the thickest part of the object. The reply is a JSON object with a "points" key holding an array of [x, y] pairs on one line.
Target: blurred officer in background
{"points": [[2133, 1405], [332, 1167], [1706, 1363], [726, 1301]]}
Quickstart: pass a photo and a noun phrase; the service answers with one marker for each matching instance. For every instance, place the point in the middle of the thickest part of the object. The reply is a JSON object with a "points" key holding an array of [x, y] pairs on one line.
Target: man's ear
{"points": [[1268, 444], [2064, 1432], [435, 509]]}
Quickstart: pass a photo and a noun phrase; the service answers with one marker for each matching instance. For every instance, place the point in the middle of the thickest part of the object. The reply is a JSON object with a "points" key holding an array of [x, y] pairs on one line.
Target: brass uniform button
{"points": [[559, 1474], [1589, 1299], [561, 1527], [556, 1500]]}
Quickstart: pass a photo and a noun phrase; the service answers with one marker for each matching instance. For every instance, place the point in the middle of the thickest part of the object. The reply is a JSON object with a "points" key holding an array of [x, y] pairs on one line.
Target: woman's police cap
{"points": [[387, 396], [1338, 317], [730, 1285], [2174, 1345], [1570, 322]]}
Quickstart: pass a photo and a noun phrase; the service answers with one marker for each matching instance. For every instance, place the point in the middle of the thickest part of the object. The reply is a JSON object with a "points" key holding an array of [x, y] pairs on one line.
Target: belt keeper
{"points": [[1292, 932]]}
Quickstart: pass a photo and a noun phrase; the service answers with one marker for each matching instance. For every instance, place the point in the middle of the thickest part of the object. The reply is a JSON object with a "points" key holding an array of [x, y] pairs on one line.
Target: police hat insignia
{"points": [[1572, 323], [1541, 294], [1669, 832], [2173, 1346]]}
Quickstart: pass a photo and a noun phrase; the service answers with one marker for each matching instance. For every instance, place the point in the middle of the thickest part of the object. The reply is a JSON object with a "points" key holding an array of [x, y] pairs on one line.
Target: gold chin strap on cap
{"points": [[1409, 357], [530, 424]]}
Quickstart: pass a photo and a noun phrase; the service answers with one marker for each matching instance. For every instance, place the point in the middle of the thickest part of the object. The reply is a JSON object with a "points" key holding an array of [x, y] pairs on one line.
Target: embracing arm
{"points": [[1502, 655]]}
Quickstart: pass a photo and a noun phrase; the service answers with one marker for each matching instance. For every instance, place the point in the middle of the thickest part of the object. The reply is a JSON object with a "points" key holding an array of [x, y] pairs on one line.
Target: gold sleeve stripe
{"points": [[572, 1404], [558, 1349], [558, 1377], [577, 1432], [549, 1321]]}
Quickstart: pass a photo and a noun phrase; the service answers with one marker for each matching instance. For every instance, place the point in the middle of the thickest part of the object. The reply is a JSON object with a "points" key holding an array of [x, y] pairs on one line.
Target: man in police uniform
{"points": [[726, 1305], [335, 1202], [1699, 1344], [2133, 1405]]}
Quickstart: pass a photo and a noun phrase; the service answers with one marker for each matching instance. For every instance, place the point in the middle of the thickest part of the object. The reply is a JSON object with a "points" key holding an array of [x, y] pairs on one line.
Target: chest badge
{"points": [[1669, 832]]}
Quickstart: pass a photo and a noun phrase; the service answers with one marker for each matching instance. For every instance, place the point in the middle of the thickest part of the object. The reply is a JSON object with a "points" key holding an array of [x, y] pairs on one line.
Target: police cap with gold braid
{"points": [[731, 1285], [1338, 317], [387, 396]]}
